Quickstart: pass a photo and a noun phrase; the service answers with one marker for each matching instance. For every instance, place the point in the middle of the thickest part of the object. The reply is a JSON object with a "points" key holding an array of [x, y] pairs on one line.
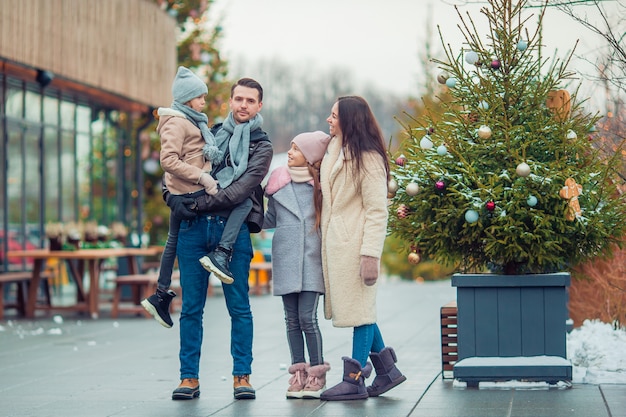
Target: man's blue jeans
{"points": [[196, 238]]}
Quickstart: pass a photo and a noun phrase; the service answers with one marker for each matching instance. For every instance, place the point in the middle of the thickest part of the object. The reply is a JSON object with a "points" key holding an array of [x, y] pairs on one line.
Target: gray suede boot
{"points": [[353, 385], [387, 374]]}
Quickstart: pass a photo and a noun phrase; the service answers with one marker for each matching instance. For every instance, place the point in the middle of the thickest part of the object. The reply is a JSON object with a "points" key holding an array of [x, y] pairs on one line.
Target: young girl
{"points": [[294, 211]]}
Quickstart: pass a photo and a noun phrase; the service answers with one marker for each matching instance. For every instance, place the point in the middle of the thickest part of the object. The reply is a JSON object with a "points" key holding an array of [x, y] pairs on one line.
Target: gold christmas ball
{"points": [[414, 258]]}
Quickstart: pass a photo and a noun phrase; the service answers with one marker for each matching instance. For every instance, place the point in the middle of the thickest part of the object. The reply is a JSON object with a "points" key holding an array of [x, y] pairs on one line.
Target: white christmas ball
{"points": [[426, 143], [531, 201], [571, 134], [522, 45], [523, 170], [442, 150], [392, 186], [484, 132], [471, 57], [451, 82], [412, 189], [471, 216], [483, 105]]}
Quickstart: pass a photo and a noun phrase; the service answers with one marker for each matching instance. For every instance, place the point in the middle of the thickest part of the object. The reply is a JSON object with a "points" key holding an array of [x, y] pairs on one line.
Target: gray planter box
{"points": [[512, 327]]}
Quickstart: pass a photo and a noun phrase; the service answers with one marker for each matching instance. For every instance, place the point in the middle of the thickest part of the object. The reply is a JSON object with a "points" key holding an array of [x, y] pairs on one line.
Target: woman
{"points": [[354, 176]]}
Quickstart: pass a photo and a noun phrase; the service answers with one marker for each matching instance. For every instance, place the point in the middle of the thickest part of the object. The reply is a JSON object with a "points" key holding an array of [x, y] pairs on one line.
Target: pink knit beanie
{"points": [[312, 145]]}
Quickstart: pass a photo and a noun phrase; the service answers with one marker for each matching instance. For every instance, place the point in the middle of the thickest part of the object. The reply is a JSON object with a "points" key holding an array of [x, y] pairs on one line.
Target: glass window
{"points": [[51, 110], [68, 115], [32, 107], [68, 177], [14, 99], [32, 179], [15, 174], [83, 171], [52, 174], [83, 118]]}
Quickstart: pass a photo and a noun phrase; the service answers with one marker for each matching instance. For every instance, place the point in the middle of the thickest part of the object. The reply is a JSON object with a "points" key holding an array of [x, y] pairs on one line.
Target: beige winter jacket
{"points": [[181, 152], [354, 223]]}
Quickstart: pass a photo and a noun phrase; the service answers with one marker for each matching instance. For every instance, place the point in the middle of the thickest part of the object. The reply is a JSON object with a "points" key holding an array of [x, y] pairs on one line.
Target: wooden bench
{"points": [[21, 279], [449, 337], [142, 285]]}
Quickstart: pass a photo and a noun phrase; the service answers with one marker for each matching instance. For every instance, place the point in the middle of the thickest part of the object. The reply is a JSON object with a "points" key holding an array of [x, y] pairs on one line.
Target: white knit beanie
{"points": [[312, 145], [187, 86]]}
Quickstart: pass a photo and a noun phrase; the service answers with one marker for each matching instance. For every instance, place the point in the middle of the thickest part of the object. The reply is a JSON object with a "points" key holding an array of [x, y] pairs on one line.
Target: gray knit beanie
{"points": [[187, 86], [312, 145]]}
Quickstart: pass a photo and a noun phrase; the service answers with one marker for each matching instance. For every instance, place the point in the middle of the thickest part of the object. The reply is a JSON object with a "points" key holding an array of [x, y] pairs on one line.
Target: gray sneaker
{"points": [[217, 262]]}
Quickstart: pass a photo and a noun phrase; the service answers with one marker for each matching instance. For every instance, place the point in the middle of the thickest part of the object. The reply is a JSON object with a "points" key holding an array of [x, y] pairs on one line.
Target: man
{"points": [[247, 156]]}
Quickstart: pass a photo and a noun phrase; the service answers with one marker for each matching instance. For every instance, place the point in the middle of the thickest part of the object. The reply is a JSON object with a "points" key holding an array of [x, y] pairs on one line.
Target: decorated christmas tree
{"points": [[508, 179]]}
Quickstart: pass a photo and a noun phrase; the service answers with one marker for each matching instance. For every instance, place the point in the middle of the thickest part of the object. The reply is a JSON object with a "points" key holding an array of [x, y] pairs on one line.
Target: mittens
{"points": [[369, 269], [209, 183]]}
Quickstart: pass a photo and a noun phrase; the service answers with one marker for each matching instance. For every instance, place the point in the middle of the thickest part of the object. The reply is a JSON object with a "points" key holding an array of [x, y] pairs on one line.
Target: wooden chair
{"points": [[21, 279], [142, 285]]}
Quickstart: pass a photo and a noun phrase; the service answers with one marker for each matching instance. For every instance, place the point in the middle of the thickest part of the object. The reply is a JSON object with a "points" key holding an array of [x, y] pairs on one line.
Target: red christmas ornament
{"points": [[490, 205], [440, 185], [402, 211], [400, 160], [495, 64]]}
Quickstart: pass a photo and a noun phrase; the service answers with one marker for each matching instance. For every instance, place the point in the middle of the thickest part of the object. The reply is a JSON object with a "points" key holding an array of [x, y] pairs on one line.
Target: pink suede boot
{"points": [[298, 379], [316, 381]]}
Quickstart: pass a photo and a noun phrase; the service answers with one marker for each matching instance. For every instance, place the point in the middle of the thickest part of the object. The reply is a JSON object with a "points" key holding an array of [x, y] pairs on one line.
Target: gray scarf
{"points": [[235, 138], [211, 152]]}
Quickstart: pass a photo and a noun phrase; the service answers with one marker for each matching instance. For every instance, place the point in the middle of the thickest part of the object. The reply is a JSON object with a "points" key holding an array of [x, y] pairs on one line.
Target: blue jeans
{"points": [[196, 238], [366, 339]]}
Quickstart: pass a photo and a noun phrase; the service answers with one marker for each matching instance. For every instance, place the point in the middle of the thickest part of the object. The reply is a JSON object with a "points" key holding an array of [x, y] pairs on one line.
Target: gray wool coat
{"points": [[296, 245]]}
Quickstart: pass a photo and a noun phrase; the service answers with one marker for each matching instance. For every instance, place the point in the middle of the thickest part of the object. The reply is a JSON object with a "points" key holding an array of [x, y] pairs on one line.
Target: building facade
{"points": [[79, 80]]}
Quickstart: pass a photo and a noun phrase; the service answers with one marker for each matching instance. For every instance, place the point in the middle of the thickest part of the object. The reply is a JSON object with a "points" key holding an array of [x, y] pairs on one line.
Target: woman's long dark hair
{"points": [[314, 170], [360, 131]]}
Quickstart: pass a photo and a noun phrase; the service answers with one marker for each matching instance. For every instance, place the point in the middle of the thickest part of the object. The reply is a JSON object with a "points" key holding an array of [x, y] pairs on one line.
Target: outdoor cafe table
{"points": [[92, 258]]}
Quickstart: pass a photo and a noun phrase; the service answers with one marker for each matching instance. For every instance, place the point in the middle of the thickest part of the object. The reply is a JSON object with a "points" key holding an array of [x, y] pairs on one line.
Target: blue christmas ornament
{"points": [[442, 150], [471, 57], [531, 201], [471, 216], [522, 45], [451, 82]]}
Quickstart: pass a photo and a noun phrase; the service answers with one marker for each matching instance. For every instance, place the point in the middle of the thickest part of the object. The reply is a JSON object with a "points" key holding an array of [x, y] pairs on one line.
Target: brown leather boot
{"points": [[242, 388], [188, 389]]}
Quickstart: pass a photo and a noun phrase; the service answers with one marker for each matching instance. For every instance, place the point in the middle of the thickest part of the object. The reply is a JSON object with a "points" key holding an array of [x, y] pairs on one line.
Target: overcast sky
{"points": [[378, 41]]}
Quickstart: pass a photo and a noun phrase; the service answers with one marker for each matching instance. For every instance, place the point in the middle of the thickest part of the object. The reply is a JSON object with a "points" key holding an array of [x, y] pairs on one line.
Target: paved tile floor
{"points": [[127, 367]]}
